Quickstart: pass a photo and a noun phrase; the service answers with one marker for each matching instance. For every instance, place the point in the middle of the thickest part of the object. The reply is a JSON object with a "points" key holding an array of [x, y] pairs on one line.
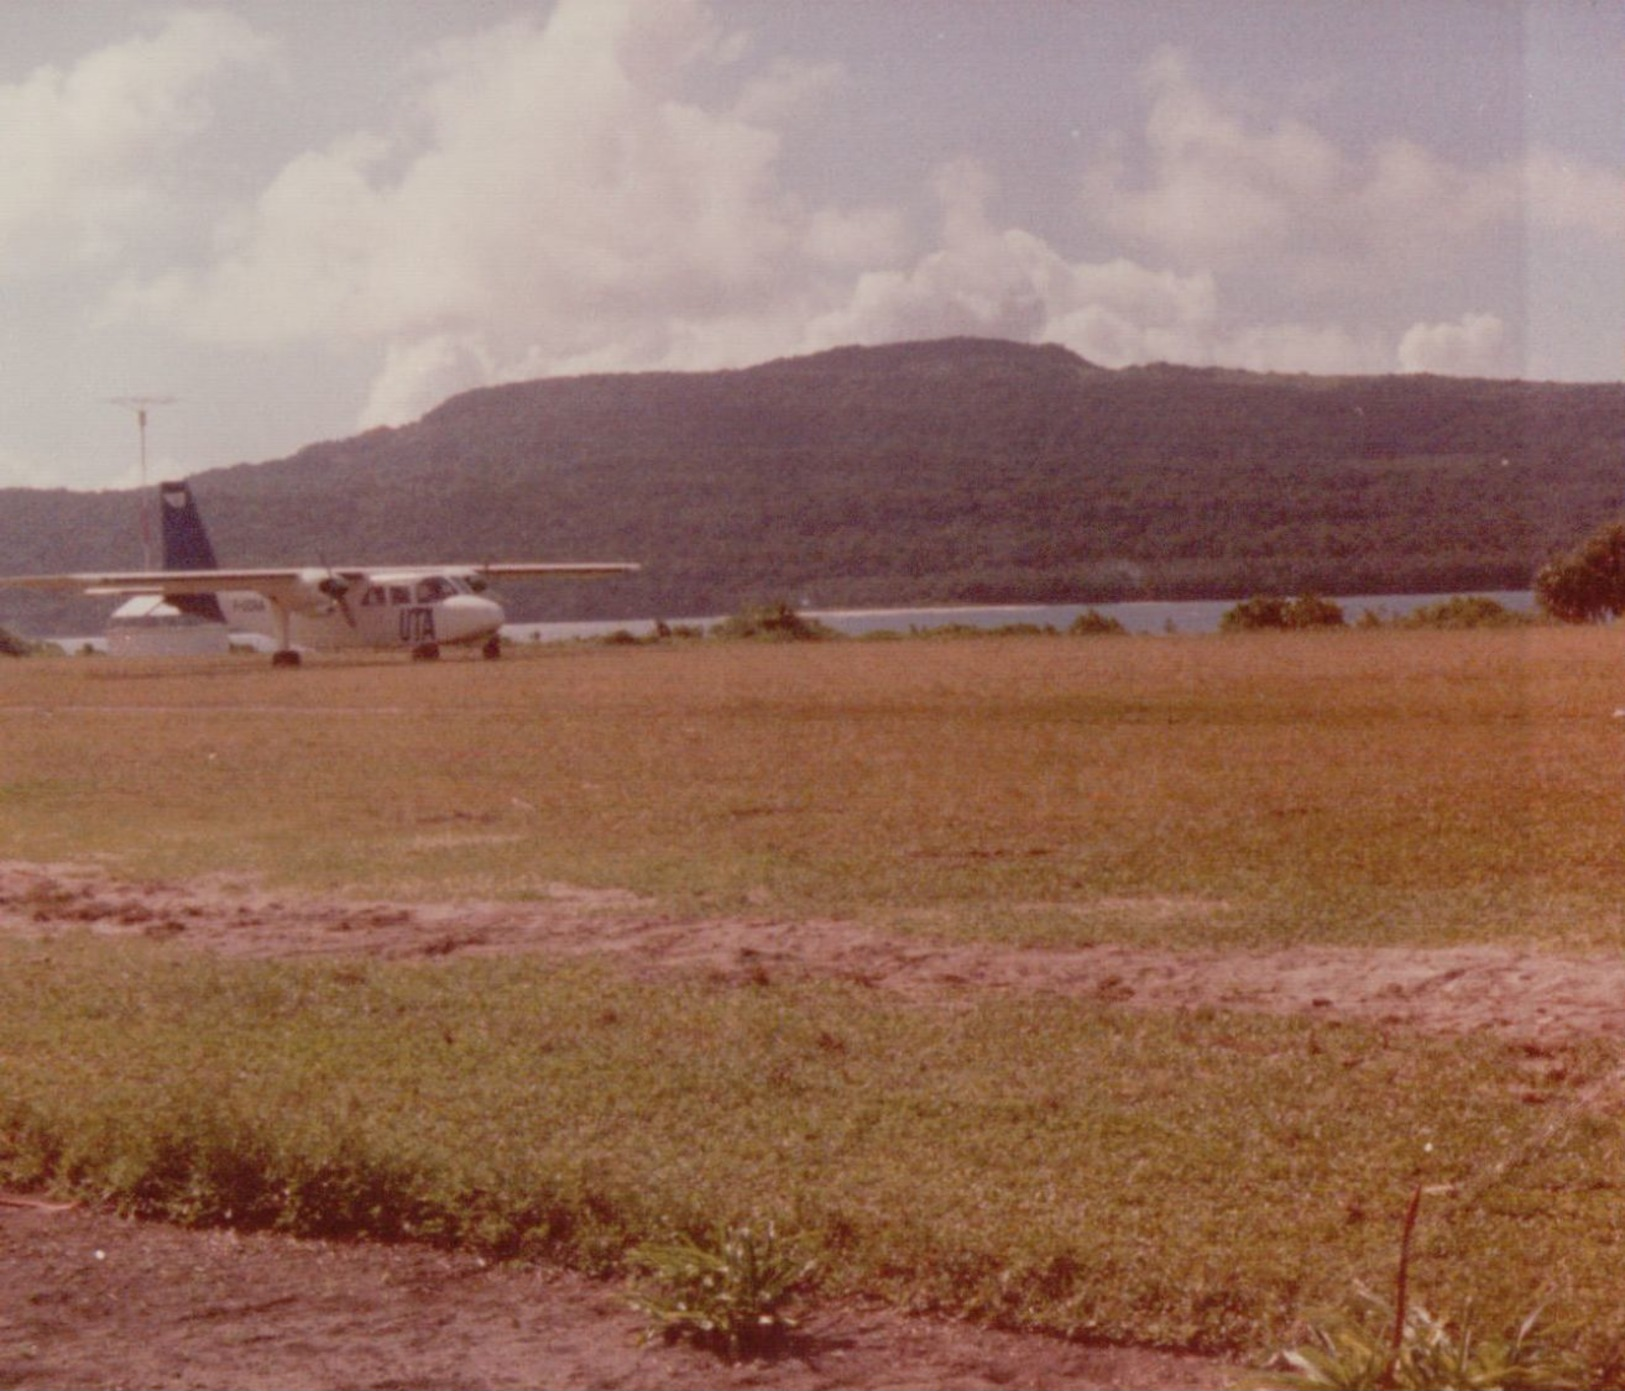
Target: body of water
{"points": [[1141, 616]]}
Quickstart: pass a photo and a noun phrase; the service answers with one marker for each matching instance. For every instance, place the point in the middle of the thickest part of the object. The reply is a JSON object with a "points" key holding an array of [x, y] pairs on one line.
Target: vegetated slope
{"points": [[954, 471]]}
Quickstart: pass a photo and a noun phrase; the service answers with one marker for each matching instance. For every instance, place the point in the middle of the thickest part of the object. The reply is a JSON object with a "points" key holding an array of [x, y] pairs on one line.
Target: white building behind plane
{"points": [[149, 626]]}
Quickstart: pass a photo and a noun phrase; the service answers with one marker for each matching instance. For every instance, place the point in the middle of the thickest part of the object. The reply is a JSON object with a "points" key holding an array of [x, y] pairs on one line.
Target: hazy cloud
{"points": [[1217, 190], [426, 369], [1477, 345], [1570, 194], [86, 152], [1224, 193]]}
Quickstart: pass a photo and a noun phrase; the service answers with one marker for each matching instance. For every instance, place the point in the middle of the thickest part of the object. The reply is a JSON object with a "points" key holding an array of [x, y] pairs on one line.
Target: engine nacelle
{"points": [[317, 592]]}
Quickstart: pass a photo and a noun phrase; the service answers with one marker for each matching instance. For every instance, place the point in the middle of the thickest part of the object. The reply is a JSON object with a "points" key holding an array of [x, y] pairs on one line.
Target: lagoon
{"points": [[1140, 616]]}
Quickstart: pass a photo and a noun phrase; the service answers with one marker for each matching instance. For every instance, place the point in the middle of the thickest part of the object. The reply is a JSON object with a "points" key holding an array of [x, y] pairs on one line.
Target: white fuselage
{"points": [[413, 611]]}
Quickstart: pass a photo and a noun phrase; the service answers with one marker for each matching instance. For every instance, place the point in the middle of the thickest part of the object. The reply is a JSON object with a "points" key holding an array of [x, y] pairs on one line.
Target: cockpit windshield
{"points": [[435, 588]]}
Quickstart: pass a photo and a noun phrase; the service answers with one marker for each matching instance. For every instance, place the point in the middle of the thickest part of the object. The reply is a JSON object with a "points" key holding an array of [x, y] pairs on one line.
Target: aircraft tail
{"points": [[186, 547]]}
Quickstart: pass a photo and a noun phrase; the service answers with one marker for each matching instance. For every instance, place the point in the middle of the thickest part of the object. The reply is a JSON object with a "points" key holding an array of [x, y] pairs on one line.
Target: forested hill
{"points": [[954, 471]]}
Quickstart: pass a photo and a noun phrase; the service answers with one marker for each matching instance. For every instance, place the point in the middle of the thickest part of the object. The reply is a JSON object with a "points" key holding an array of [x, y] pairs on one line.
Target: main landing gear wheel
{"points": [[428, 652], [492, 649], [285, 658]]}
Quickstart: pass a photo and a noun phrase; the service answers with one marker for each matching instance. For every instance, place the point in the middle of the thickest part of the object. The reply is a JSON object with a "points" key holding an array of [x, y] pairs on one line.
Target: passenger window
{"points": [[373, 597]]}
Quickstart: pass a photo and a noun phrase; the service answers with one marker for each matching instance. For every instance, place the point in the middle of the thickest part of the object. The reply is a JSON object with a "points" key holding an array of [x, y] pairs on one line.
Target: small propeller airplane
{"points": [[418, 607]]}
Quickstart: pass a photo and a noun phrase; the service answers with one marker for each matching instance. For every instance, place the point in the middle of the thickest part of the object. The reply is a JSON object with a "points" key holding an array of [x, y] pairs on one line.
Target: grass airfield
{"points": [[1198, 1180]]}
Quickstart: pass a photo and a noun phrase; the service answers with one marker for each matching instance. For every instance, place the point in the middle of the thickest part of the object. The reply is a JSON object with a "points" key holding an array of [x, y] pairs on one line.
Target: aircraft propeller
{"points": [[337, 588]]}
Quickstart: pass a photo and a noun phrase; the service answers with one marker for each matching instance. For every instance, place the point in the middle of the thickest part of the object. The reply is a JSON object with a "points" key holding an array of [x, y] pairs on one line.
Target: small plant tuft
{"points": [[1402, 1347], [728, 1295], [1350, 1352]]}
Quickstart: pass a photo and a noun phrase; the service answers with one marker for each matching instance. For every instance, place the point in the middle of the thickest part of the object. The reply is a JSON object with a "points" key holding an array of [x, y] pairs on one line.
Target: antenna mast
{"points": [[141, 405]]}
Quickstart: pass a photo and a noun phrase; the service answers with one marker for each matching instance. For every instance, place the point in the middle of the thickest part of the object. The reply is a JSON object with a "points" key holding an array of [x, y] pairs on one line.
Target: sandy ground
{"points": [[90, 1300]]}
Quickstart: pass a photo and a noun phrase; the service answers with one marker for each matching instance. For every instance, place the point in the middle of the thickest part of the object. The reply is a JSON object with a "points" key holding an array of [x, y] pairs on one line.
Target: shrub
{"points": [[1019, 630], [1312, 611], [1093, 623], [13, 646], [1263, 612], [1588, 584], [773, 622], [1251, 615], [1464, 611]]}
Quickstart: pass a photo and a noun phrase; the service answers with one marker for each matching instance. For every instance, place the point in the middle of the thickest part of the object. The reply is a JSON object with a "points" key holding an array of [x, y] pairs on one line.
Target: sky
{"points": [[287, 221]]}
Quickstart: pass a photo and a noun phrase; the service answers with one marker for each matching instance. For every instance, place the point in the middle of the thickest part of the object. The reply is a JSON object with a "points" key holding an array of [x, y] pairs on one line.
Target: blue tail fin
{"points": [[186, 543], [186, 547]]}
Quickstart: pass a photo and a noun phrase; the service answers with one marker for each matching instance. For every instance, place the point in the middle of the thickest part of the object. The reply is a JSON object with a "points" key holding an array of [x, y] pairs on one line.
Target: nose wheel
{"points": [[492, 649]]}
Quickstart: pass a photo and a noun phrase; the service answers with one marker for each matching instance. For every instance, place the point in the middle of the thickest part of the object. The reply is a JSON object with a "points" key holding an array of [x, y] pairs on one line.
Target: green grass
{"points": [[1191, 1180]]}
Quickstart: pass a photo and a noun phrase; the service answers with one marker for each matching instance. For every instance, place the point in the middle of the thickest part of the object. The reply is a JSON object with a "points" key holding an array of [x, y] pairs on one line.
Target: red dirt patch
{"points": [[1507, 990], [89, 1300]]}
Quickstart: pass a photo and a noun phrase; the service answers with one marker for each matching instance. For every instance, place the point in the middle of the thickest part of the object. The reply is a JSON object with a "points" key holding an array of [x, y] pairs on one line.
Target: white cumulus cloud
{"points": [[564, 203], [1004, 282], [603, 190], [994, 281]]}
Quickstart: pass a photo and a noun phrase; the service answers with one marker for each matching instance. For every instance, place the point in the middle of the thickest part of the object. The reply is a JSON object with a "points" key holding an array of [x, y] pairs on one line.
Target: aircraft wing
{"points": [[272, 583], [292, 584], [519, 570]]}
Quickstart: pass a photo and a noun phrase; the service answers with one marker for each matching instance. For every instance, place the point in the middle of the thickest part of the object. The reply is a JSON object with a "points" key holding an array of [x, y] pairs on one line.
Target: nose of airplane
{"points": [[468, 618]]}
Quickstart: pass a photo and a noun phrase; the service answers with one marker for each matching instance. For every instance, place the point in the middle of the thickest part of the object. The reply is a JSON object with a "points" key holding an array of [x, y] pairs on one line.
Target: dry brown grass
{"points": [[1353, 786]]}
